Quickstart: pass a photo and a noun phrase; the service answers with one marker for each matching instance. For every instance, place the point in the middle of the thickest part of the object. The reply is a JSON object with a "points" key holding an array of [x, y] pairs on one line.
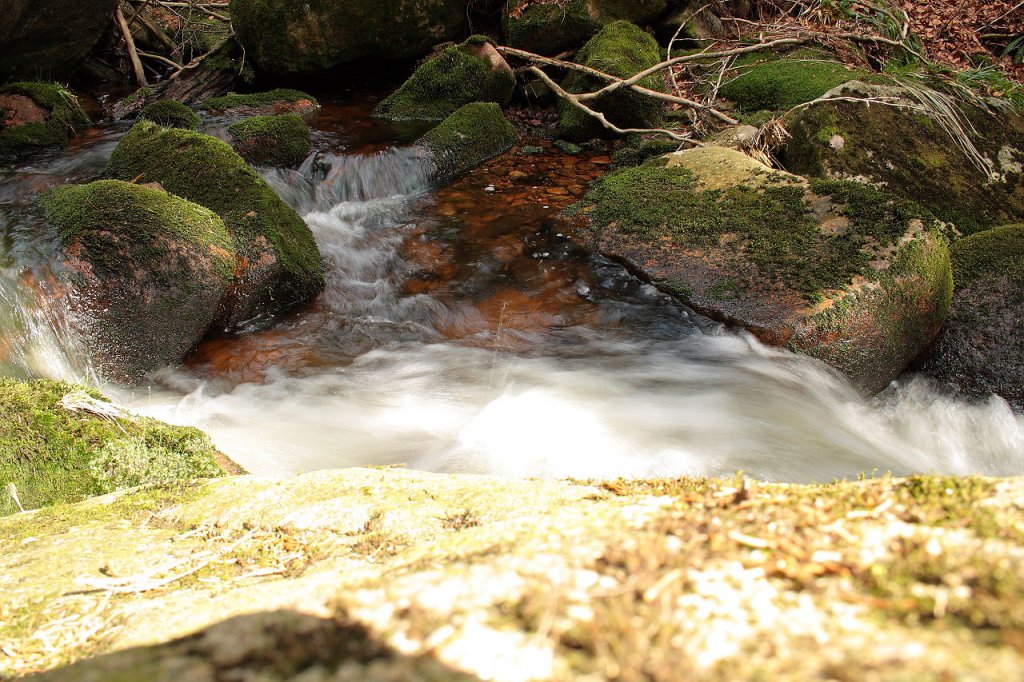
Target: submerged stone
{"points": [[292, 36], [552, 26], [146, 271], [272, 140], [269, 103], [981, 348], [834, 270], [278, 263], [35, 116], [467, 138], [962, 162], [621, 49], [60, 444], [470, 72]]}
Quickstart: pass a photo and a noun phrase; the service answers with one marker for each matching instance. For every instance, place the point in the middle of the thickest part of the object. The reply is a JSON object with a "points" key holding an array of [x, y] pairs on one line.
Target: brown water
{"points": [[467, 327]]}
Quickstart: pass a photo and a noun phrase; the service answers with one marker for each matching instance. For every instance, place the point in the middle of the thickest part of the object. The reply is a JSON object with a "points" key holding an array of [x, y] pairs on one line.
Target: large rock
{"points": [[147, 271], [620, 49], [467, 138], [49, 38], [391, 575], [835, 270], [915, 155], [171, 114], [35, 116], [780, 82], [549, 27], [461, 74], [278, 263], [294, 36], [272, 140], [61, 444], [981, 348]]}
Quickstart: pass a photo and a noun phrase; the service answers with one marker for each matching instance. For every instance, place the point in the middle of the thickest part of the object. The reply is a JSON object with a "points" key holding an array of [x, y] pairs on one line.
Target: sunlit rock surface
{"points": [[392, 575]]}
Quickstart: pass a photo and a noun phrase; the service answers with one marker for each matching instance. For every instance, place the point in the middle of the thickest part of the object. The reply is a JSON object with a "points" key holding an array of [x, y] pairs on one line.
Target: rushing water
{"points": [[463, 330]]}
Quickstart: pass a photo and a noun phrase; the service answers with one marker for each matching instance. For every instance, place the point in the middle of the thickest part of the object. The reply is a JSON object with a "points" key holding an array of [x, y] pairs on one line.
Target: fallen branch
{"points": [[133, 55]]}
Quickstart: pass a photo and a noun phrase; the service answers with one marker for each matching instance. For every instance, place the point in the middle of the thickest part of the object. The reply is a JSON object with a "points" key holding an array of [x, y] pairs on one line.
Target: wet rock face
{"points": [[981, 349], [48, 38], [910, 154], [278, 264], [298, 36], [835, 270], [145, 271]]}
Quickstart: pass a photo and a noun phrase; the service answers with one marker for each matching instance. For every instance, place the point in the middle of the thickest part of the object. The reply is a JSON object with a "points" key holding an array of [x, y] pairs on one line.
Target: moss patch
{"points": [[66, 117], [995, 252], [471, 135], [555, 26], [207, 171], [458, 75], [620, 49], [781, 83], [53, 455], [272, 140], [171, 114]]}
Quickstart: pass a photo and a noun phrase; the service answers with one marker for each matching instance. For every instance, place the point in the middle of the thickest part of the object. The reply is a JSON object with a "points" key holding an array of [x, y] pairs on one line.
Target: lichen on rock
{"points": [[620, 49], [282, 140], [835, 270], [278, 263], [471, 135], [459, 75]]}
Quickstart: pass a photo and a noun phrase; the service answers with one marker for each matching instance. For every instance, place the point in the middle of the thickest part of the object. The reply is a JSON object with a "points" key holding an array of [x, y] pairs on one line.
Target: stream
{"points": [[464, 329]]}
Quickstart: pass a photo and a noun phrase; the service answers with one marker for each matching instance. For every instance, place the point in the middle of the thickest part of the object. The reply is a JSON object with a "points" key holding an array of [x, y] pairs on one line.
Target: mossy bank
{"points": [[56, 447], [36, 116]]}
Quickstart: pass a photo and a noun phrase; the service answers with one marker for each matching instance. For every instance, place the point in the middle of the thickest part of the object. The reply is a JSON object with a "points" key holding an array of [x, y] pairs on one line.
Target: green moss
{"points": [[552, 27], [171, 114], [66, 118], [256, 100], [776, 229], [992, 253], [53, 455], [471, 135], [272, 140], [620, 49], [207, 171], [782, 83], [457, 76], [639, 151], [92, 213]]}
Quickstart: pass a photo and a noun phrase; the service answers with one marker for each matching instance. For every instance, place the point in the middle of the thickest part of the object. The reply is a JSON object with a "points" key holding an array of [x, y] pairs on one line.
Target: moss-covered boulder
{"points": [[34, 116], [61, 443], [392, 575], [171, 114], [468, 137], [832, 269], [620, 49], [470, 72], [780, 82], [272, 140], [278, 264], [916, 155], [49, 38], [268, 103], [297, 36], [551, 26], [146, 271], [981, 348]]}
